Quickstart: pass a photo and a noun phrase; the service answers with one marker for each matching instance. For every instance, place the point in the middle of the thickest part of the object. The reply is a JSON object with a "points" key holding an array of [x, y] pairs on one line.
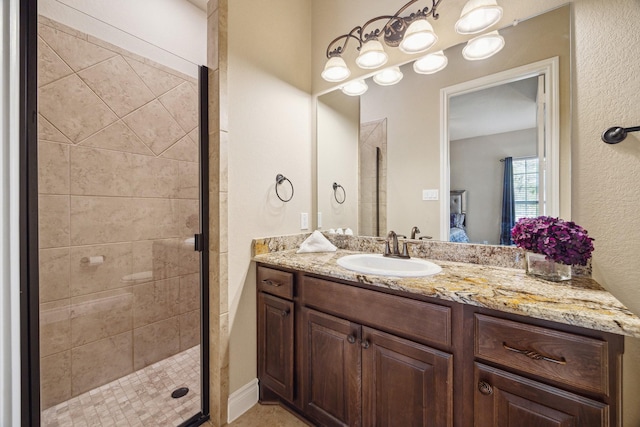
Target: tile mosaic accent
{"points": [[118, 178], [142, 398]]}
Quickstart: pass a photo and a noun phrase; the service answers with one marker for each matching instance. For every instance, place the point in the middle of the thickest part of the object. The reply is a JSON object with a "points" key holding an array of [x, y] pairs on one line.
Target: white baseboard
{"points": [[240, 401]]}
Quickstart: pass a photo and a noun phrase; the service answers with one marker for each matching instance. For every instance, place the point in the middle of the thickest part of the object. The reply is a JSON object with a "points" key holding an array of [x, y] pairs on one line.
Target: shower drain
{"points": [[180, 392]]}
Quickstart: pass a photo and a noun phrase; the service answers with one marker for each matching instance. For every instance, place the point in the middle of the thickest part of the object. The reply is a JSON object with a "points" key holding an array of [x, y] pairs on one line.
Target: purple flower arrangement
{"points": [[561, 241]]}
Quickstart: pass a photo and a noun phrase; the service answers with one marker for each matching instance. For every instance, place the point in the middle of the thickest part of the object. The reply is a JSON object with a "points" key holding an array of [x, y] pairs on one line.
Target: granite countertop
{"points": [[579, 302]]}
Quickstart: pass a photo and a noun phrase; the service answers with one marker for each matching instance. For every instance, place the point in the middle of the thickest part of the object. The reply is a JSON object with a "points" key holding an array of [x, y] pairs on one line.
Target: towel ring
{"points": [[335, 193], [279, 180]]}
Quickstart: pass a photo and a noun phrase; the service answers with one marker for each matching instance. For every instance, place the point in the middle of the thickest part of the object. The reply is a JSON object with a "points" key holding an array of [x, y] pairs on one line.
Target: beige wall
{"points": [[118, 179], [269, 109]]}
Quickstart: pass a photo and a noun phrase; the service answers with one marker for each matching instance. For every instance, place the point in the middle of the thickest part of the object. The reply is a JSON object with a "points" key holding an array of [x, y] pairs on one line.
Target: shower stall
{"points": [[119, 193]]}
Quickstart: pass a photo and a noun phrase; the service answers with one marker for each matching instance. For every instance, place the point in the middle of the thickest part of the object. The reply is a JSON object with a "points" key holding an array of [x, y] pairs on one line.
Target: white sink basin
{"points": [[386, 266]]}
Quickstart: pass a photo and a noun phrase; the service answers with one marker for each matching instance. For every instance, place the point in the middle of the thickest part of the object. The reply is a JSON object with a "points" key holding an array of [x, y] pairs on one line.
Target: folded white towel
{"points": [[316, 243]]}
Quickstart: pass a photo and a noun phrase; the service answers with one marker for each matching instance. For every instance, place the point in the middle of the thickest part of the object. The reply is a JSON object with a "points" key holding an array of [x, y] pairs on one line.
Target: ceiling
{"points": [[505, 108]]}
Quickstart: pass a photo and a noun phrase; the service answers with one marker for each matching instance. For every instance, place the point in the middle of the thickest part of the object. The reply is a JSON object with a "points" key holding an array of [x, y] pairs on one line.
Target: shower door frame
{"points": [[30, 405]]}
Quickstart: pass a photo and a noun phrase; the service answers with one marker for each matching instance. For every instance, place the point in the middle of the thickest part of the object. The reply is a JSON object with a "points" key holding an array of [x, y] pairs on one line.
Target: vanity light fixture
{"points": [[355, 88], [335, 70], [477, 16], [412, 33], [419, 37], [432, 63], [483, 47], [388, 76]]}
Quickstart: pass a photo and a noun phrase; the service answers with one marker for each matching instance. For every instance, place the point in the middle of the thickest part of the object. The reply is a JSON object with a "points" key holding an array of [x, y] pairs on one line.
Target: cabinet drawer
{"points": [[275, 282], [571, 359], [417, 320]]}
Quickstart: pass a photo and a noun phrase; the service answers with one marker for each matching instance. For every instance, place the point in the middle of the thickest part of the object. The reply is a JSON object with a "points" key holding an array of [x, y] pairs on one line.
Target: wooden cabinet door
{"points": [[275, 344], [331, 369], [405, 383], [503, 399]]}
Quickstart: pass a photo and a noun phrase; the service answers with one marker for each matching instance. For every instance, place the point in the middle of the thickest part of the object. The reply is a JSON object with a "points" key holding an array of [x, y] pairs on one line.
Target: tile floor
{"points": [[268, 416], [142, 398]]}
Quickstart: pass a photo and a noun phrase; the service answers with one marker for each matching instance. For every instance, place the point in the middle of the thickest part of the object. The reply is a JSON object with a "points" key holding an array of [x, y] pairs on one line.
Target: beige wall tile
{"points": [[166, 258], [154, 125], [155, 301], [189, 292], [89, 279], [113, 357], [72, 107], [195, 136], [157, 80], [53, 168], [100, 315], [47, 132], [189, 260], [185, 150], [78, 53], [55, 379], [54, 274], [115, 82], [155, 342], [182, 104], [143, 259], [55, 327], [154, 177], [53, 221], [189, 329], [97, 220], [188, 180], [188, 217], [50, 66], [96, 172], [153, 219], [118, 137]]}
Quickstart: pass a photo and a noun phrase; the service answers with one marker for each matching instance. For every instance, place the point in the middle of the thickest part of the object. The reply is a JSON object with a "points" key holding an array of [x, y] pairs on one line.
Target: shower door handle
{"points": [[198, 242]]}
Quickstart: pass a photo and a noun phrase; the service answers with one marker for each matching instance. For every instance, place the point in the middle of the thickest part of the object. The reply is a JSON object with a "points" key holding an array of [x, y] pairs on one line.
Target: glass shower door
{"points": [[119, 205]]}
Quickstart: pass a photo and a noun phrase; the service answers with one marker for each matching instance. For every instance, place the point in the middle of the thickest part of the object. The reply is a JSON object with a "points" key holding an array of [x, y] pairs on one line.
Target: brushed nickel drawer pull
{"points": [[351, 339], [271, 283], [535, 355], [365, 344], [285, 313]]}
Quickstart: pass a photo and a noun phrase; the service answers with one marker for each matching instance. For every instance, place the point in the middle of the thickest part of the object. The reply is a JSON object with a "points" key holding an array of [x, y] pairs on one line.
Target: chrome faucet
{"points": [[391, 249], [415, 230]]}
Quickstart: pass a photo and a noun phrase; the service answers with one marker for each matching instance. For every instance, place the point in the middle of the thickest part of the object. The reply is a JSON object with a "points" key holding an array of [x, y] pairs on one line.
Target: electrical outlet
{"points": [[319, 219], [429, 194], [304, 221]]}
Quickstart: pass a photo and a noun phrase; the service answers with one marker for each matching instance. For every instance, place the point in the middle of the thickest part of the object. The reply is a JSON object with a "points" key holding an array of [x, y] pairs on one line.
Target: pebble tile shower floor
{"points": [[142, 398]]}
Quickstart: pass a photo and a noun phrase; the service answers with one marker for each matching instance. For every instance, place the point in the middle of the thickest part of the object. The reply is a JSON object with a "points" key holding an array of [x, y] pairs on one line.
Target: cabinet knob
{"points": [[285, 313], [365, 344], [351, 339], [485, 388]]}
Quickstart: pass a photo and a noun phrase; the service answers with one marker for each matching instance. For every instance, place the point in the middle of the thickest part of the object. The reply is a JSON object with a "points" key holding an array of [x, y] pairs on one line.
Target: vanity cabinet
{"points": [[276, 314], [350, 354], [543, 376], [355, 375]]}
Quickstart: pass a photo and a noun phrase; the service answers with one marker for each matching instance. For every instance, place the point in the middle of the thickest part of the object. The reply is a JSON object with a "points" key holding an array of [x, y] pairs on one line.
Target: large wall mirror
{"points": [[411, 154]]}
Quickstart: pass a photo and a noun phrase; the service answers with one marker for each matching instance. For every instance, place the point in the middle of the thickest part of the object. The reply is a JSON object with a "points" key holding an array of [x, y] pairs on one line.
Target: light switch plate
{"points": [[319, 219], [429, 194], [304, 221]]}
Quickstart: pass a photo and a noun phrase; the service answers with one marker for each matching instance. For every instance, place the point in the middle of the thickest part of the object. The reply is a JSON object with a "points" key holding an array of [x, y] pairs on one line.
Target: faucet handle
{"points": [[387, 249]]}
